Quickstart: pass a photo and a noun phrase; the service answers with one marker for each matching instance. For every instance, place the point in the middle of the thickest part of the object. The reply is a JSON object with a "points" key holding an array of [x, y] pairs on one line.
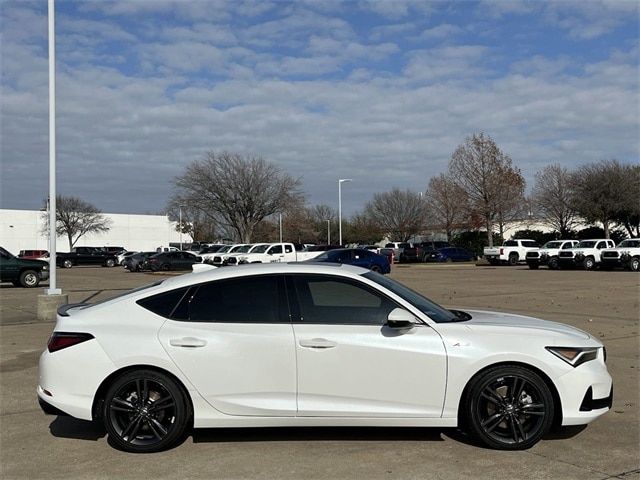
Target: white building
{"points": [[23, 230]]}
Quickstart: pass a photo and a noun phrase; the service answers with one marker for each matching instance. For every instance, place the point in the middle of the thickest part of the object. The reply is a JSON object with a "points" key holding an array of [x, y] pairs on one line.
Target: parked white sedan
{"points": [[313, 345]]}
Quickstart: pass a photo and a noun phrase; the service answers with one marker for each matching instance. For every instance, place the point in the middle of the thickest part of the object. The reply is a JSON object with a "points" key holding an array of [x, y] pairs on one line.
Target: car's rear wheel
{"points": [[110, 263], [376, 268], [29, 279], [145, 411], [509, 408], [513, 259]]}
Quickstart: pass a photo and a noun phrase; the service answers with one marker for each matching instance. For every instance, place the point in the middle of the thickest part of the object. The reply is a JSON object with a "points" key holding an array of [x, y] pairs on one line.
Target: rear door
{"points": [[239, 354]]}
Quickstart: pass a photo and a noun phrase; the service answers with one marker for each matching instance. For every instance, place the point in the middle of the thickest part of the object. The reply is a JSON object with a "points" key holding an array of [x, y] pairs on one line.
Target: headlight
{"points": [[45, 267], [575, 356]]}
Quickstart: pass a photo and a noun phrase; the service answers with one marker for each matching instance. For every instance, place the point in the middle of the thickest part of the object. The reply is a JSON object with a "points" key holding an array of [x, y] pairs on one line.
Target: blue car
{"points": [[356, 256], [450, 254]]}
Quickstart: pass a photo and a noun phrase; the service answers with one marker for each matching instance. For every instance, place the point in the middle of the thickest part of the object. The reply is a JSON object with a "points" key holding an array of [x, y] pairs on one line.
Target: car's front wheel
{"points": [[509, 408], [29, 279], [145, 411]]}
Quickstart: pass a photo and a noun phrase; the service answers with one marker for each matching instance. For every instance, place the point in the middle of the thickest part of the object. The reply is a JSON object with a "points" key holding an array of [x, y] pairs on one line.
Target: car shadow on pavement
{"points": [[68, 427], [293, 434]]}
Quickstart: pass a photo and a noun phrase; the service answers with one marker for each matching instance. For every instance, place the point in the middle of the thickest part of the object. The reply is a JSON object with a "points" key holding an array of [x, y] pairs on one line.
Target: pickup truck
{"points": [[548, 254], [511, 251], [277, 252], [86, 256], [626, 255], [220, 257], [586, 254], [22, 272]]}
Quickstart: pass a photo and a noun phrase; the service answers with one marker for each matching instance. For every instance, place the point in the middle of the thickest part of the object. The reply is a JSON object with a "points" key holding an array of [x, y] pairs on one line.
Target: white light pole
{"points": [[340, 182], [180, 215], [329, 232], [52, 290], [280, 222]]}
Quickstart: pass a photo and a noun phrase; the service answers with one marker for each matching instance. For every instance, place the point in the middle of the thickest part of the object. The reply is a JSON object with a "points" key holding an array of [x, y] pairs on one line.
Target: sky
{"points": [[378, 91]]}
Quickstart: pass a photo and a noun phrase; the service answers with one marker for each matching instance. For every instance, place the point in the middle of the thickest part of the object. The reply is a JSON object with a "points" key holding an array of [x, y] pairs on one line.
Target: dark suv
{"points": [[22, 272]]}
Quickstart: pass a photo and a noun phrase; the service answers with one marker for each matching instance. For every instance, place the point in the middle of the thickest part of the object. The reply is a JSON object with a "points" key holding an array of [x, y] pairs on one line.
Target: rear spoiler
{"points": [[63, 309]]}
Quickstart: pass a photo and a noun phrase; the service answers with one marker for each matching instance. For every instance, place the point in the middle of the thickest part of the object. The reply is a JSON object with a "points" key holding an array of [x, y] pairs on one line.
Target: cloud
{"points": [[444, 30]]}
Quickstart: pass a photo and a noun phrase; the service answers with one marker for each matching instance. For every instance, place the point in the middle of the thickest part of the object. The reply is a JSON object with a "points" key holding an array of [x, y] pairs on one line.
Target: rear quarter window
{"points": [[164, 303]]}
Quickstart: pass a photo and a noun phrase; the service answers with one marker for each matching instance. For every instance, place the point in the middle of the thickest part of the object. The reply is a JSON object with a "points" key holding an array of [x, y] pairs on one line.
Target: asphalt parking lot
{"points": [[605, 304]]}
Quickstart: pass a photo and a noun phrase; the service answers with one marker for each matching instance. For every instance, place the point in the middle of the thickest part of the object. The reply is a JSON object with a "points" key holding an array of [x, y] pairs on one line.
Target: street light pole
{"points": [[280, 222], [52, 290], [180, 215], [329, 232], [340, 182]]}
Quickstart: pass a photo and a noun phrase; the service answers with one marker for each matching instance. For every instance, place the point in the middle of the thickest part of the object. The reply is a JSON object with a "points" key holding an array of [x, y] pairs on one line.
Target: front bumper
{"points": [[44, 275]]}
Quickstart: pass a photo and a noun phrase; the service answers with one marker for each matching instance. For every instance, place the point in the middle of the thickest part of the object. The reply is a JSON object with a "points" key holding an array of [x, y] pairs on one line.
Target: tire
{"points": [[67, 263], [513, 259], [110, 263], [505, 423], [29, 279], [553, 263], [448, 260], [376, 268], [533, 266], [589, 263], [145, 411], [165, 267], [634, 264]]}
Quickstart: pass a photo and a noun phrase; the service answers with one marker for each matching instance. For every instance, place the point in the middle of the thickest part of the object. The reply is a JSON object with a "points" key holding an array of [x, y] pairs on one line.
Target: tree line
{"points": [[246, 198], [243, 198]]}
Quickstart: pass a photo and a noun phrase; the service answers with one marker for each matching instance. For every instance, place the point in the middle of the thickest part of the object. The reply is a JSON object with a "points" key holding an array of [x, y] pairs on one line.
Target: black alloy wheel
{"points": [[509, 408], [145, 411]]}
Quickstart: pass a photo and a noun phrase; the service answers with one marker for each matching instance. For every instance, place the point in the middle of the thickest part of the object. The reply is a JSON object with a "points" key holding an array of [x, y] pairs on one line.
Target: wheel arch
{"points": [[98, 399], [557, 403]]}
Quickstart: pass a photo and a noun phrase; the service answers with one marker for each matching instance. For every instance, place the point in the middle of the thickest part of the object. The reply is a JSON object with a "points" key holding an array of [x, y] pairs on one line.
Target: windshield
{"points": [[260, 248], [243, 249], [5, 253], [630, 243], [224, 249], [434, 311], [552, 245], [587, 244]]}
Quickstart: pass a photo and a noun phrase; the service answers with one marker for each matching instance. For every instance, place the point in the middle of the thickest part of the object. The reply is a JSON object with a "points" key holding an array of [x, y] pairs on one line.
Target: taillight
{"points": [[60, 340]]}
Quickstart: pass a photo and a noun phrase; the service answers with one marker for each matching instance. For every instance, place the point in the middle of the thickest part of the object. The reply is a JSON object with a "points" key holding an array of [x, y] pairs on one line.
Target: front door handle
{"points": [[317, 343], [189, 342]]}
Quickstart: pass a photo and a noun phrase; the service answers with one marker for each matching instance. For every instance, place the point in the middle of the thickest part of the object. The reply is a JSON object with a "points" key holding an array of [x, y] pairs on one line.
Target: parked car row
{"points": [[587, 254], [404, 252]]}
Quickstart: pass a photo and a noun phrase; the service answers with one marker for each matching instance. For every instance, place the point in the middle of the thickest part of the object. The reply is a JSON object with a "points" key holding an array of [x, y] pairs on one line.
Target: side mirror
{"points": [[400, 319]]}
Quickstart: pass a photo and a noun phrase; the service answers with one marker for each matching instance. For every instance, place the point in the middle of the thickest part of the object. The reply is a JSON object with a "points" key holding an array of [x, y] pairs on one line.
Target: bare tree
{"points": [[482, 170], [446, 203], [602, 190], [239, 192], [325, 221], [399, 213], [75, 218], [196, 223], [361, 229], [551, 198], [510, 204]]}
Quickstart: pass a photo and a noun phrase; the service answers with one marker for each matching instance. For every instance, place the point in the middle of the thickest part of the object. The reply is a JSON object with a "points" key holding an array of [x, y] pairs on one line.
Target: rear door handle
{"points": [[188, 342], [318, 343]]}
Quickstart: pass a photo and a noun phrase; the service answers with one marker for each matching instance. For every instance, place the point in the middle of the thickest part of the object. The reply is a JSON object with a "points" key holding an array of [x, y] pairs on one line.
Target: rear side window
{"points": [[255, 299], [510, 243], [530, 244], [164, 303]]}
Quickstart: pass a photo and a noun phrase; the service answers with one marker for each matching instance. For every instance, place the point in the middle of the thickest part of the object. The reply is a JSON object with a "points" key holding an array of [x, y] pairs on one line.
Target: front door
{"points": [[351, 364], [235, 345]]}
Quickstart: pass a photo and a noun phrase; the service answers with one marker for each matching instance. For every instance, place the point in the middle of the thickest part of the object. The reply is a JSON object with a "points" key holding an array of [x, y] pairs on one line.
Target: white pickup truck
{"points": [[548, 254], [219, 258], [511, 251], [626, 255], [275, 252], [586, 254]]}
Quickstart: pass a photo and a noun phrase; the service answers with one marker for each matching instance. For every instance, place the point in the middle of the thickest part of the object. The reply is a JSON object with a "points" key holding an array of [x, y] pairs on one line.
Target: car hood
{"points": [[32, 262], [482, 319]]}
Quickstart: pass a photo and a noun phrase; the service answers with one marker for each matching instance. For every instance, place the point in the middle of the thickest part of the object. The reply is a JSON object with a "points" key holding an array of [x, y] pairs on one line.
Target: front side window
{"points": [[326, 299], [254, 299]]}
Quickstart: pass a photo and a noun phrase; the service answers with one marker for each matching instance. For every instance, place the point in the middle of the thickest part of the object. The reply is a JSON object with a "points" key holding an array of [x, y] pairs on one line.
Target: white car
{"points": [[548, 253], [586, 254], [313, 345], [511, 251], [626, 254]]}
